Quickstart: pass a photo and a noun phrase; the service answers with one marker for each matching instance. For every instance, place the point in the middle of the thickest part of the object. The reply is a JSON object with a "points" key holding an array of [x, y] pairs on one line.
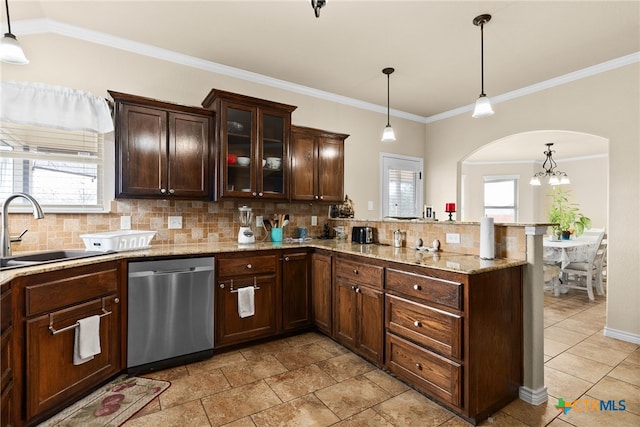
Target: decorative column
{"points": [[533, 390]]}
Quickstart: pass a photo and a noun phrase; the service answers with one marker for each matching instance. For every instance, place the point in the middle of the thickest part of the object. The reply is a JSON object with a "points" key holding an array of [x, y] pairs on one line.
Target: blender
{"points": [[245, 235]]}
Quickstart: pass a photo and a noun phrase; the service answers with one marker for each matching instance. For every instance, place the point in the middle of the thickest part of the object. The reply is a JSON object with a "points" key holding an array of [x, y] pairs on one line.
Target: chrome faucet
{"points": [[6, 239]]}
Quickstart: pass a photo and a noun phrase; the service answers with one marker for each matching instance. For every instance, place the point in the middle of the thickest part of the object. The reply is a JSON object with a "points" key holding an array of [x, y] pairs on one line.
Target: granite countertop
{"points": [[459, 263]]}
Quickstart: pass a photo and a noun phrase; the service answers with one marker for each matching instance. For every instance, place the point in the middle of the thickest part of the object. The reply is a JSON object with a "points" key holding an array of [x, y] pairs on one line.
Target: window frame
{"points": [[402, 162], [501, 178]]}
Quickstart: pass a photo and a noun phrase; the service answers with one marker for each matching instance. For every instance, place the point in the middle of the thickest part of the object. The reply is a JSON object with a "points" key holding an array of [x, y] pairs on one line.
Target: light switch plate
{"points": [[453, 237], [175, 222], [125, 223], [314, 220], [370, 205]]}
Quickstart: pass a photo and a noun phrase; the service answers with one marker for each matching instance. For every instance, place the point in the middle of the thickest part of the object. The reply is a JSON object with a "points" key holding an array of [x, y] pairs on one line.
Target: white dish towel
{"points": [[87, 340], [246, 305]]}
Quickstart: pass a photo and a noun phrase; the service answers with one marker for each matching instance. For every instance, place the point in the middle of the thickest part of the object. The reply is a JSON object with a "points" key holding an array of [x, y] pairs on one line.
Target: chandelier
{"points": [[549, 169]]}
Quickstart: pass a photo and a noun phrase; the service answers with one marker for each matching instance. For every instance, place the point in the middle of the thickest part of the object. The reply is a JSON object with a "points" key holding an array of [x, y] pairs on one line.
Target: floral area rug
{"points": [[111, 405]]}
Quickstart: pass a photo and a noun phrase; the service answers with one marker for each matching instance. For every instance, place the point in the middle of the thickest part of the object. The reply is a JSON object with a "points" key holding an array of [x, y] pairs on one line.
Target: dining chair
{"points": [[552, 278], [575, 272]]}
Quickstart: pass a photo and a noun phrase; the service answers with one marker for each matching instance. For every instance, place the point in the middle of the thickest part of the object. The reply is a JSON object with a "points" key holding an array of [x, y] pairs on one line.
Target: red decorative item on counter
{"points": [[450, 207], [232, 159]]}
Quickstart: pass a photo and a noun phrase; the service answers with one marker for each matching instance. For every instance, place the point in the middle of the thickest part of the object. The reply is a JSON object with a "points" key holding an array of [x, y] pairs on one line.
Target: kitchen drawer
{"points": [[253, 264], [63, 288], [6, 312], [429, 372], [431, 289], [427, 326], [363, 274]]}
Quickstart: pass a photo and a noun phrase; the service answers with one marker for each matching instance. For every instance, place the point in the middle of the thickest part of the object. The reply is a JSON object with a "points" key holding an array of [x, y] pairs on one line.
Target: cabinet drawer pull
{"points": [[254, 194], [321, 197], [116, 300], [162, 190], [417, 287], [261, 194], [353, 288], [249, 266], [418, 366], [355, 271], [286, 258], [171, 191], [316, 197], [417, 324], [358, 290]]}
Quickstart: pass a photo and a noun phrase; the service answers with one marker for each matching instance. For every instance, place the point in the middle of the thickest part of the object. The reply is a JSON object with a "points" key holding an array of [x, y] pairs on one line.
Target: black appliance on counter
{"points": [[363, 235]]}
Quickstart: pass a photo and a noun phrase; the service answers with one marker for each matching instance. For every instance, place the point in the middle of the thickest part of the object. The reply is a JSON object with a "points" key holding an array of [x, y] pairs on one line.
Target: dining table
{"points": [[564, 252]]}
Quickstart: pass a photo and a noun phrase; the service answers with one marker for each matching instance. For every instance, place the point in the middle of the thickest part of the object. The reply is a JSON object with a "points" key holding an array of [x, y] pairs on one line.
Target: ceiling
{"points": [[433, 45]]}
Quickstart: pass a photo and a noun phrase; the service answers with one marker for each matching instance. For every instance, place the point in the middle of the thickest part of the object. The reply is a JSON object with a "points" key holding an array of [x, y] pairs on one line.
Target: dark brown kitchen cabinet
{"points": [[296, 290], [162, 149], [321, 295], [6, 356], [456, 337], [359, 308], [252, 136], [51, 304], [239, 270], [317, 165]]}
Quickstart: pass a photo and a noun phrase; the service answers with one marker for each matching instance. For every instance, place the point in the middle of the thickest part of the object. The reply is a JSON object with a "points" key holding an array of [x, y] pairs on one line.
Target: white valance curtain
{"points": [[56, 107]]}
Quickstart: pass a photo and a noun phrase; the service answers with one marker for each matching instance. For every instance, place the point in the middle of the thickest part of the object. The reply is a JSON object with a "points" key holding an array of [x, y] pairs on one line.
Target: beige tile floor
{"points": [[309, 380]]}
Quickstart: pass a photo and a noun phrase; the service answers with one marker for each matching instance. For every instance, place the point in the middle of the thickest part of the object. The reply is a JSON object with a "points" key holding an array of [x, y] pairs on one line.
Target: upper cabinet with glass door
{"points": [[253, 146]]}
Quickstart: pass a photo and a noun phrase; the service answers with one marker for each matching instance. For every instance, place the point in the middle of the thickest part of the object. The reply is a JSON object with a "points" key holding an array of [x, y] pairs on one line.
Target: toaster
{"points": [[362, 235]]}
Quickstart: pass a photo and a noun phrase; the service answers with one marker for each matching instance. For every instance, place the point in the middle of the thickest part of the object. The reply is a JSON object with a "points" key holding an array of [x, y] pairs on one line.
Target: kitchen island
{"points": [[448, 324]]}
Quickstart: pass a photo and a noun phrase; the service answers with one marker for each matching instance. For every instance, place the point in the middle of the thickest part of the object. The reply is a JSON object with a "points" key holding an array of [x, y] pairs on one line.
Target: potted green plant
{"points": [[566, 214]]}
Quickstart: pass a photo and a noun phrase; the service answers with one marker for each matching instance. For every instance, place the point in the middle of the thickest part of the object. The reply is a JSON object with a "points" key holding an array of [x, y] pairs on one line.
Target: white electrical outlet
{"points": [[453, 237], [259, 221], [175, 222], [370, 205], [125, 223], [314, 220]]}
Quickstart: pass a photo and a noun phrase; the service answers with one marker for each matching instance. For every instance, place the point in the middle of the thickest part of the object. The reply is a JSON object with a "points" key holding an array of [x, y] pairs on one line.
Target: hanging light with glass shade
{"points": [[549, 169], [483, 104], [10, 50], [388, 135]]}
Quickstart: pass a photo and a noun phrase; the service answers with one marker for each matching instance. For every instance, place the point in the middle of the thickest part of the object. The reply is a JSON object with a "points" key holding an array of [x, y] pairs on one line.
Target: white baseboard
{"points": [[534, 397], [622, 335]]}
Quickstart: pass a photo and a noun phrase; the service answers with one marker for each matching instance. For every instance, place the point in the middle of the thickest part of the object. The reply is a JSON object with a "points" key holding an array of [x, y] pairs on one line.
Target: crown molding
{"points": [[45, 25]]}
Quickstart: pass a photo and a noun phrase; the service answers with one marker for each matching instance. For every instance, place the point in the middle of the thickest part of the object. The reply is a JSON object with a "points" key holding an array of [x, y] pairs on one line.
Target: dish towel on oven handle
{"points": [[246, 306], [87, 340]]}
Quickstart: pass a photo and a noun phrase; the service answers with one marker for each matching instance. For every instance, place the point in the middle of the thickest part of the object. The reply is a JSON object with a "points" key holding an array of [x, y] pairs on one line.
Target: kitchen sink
{"points": [[38, 258]]}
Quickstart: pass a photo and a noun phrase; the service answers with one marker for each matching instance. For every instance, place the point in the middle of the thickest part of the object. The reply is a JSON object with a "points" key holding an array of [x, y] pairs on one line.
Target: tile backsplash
{"points": [[202, 222], [211, 222]]}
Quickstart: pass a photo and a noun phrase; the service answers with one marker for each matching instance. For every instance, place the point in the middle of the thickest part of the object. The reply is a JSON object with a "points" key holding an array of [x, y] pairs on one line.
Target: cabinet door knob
{"points": [[417, 287], [249, 266], [171, 191], [286, 258], [162, 190], [254, 194], [358, 290], [221, 285], [355, 271], [417, 324], [353, 288], [260, 194], [116, 300], [321, 197], [316, 197], [418, 366]]}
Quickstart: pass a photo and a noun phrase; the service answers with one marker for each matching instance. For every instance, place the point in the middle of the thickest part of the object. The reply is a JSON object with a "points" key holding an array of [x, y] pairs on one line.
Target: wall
{"points": [[605, 105]]}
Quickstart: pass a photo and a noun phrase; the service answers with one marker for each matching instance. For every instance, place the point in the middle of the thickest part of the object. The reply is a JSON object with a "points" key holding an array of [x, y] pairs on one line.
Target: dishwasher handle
{"points": [[171, 271]]}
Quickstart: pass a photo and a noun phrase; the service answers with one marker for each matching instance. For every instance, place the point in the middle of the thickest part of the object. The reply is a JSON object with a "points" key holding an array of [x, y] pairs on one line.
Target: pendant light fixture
{"points": [[549, 169], [317, 5], [10, 50], [483, 105], [388, 135]]}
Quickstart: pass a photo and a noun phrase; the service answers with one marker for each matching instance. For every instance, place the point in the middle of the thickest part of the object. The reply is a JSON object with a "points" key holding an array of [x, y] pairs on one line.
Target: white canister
{"points": [[397, 239]]}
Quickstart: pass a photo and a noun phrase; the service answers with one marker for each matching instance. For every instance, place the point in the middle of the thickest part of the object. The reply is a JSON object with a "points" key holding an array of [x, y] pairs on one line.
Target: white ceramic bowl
{"points": [[243, 161], [274, 162], [264, 162]]}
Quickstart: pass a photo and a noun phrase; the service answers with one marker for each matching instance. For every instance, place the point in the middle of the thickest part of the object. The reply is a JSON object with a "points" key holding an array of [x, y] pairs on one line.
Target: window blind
{"points": [[403, 187]]}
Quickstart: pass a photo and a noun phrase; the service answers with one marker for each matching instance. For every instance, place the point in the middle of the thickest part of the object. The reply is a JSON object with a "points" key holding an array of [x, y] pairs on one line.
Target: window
{"points": [[401, 185], [500, 196], [62, 169]]}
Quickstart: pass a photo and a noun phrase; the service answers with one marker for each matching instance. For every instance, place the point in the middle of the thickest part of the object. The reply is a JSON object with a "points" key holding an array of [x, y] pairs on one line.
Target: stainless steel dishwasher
{"points": [[170, 312]]}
